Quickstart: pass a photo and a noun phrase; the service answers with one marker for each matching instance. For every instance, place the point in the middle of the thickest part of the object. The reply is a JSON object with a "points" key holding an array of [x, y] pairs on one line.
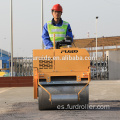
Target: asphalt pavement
{"points": [[17, 103]]}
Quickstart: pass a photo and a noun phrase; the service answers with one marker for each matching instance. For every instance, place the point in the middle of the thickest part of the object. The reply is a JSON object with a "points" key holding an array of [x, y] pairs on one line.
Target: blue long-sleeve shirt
{"points": [[45, 34]]}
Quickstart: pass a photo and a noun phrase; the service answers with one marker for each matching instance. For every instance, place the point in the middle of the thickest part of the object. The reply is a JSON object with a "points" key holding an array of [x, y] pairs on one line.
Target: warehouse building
{"points": [[4, 59]]}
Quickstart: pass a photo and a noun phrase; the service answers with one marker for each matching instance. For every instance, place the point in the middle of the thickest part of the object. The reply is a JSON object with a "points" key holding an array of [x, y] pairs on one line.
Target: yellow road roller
{"points": [[61, 76]]}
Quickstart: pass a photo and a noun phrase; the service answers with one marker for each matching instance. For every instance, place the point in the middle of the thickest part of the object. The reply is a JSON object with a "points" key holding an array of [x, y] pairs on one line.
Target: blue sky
{"points": [[80, 14]]}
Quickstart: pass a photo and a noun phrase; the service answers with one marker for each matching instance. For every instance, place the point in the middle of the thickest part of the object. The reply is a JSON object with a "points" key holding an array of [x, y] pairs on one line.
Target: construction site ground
{"points": [[17, 103]]}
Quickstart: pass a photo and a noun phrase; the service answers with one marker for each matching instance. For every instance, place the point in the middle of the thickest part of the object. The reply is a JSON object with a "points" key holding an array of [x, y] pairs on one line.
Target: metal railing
{"points": [[99, 69], [24, 67]]}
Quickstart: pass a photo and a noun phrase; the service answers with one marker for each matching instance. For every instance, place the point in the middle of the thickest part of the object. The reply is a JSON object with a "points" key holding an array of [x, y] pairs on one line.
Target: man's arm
{"points": [[69, 32], [46, 38]]}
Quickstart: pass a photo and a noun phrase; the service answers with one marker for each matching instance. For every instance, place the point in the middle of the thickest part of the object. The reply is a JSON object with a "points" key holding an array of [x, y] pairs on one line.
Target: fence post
{"points": [[107, 70]]}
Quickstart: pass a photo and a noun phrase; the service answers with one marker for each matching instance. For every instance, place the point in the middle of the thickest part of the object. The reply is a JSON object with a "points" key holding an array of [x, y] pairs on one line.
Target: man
{"points": [[57, 26]]}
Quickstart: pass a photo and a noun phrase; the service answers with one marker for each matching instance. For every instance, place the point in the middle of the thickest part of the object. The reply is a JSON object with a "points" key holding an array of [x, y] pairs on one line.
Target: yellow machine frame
{"points": [[45, 69]]}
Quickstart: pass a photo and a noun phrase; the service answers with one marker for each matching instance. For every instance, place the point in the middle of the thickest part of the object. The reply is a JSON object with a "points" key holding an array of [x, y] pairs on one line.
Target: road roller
{"points": [[61, 76]]}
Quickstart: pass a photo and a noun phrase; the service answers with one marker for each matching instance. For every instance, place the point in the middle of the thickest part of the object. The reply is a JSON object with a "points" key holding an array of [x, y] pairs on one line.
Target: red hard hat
{"points": [[57, 7]]}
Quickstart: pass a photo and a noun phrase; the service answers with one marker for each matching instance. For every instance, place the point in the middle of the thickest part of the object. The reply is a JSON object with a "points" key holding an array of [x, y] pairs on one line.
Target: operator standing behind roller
{"points": [[57, 26]]}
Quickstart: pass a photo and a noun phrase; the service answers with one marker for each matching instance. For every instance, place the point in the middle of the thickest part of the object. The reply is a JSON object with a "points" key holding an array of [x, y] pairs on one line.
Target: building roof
{"points": [[4, 53], [102, 41]]}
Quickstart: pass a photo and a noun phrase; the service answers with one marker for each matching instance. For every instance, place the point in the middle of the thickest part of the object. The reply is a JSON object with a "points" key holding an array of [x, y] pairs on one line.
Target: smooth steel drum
{"points": [[64, 95]]}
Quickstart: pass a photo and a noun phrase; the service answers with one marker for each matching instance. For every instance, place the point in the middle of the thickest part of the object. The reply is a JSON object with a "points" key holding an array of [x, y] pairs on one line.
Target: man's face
{"points": [[56, 14]]}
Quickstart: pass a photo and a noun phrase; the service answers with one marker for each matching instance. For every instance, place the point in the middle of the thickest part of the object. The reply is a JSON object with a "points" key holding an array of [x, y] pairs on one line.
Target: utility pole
{"points": [[11, 34], [42, 22], [96, 36], [96, 49]]}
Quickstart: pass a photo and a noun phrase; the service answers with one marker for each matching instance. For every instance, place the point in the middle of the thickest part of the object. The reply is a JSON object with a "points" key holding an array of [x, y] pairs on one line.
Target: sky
{"points": [[81, 14]]}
